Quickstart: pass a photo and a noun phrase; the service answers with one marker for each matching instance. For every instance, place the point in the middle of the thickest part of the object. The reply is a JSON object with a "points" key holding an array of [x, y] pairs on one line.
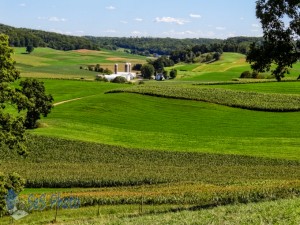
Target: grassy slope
{"points": [[146, 122], [45, 62], [230, 66]]}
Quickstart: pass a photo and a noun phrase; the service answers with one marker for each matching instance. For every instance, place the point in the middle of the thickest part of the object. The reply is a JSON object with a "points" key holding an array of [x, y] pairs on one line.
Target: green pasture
{"points": [[50, 63], [126, 148], [229, 67], [146, 122]]}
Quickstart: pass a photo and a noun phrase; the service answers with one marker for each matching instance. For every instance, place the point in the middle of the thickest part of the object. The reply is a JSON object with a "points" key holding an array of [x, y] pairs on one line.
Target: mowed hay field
{"points": [[124, 151], [50, 63]]}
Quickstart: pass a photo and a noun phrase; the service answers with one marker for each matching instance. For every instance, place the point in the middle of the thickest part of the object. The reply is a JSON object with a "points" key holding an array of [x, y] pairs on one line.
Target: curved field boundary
{"points": [[239, 99]]}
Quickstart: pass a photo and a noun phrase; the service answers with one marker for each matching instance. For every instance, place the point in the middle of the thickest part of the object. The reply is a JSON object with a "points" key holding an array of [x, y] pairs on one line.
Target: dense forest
{"points": [[183, 49], [22, 37]]}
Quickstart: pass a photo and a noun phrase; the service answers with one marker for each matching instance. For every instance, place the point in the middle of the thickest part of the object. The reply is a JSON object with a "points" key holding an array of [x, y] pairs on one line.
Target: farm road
{"points": [[70, 100]]}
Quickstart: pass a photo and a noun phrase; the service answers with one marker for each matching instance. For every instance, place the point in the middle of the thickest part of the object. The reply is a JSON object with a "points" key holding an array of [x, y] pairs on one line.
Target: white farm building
{"points": [[128, 75]]}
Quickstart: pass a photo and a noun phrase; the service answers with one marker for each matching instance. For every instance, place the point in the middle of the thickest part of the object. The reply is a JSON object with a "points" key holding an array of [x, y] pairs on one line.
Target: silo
{"points": [[116, 68], [127, 67]]}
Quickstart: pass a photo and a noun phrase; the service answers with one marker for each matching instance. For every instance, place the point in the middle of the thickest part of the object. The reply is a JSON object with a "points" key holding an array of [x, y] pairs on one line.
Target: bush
{"points": [[246, 74], [137, 67], [101, 78], [166, 75], [91, 68], [255, 74], [107, 71], [173, 73], [120, 80]]}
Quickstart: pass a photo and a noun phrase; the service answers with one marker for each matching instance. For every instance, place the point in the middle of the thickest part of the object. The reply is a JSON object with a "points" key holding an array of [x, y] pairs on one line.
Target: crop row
{"points": [[55, 162], [240, 99], [245, 81], [194, 194]]}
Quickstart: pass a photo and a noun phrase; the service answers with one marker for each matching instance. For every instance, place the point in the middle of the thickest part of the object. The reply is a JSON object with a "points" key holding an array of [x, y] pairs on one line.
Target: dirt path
{"points": [[62, 102]]}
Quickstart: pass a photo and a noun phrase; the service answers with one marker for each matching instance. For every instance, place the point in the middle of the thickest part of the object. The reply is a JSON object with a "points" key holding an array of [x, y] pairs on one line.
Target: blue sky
{"points": [[125, 18]]}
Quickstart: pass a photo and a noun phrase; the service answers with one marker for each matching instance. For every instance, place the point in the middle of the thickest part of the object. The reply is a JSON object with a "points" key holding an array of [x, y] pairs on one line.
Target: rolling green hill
{"points": [[230, 66], [152, 151], [50, 63]]}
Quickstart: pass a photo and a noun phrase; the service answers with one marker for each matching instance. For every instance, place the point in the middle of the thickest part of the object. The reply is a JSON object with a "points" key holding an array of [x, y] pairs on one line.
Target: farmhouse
{"points": [[159, 76], [128, 75]]}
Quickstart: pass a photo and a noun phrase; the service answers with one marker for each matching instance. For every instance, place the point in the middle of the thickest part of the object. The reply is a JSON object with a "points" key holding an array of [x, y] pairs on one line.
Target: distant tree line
{"points": [[21, 37], [165, 46], [186, 49]]}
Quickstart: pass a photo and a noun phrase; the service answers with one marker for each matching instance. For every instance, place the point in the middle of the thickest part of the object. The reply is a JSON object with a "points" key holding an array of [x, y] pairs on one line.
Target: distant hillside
{"points": [[21, 37], [164, 46], [161, 46]]}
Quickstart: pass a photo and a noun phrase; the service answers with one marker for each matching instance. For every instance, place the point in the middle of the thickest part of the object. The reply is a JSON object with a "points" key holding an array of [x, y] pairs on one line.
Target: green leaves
{"points": [[38, 101], [11, 124], [280, 22]]}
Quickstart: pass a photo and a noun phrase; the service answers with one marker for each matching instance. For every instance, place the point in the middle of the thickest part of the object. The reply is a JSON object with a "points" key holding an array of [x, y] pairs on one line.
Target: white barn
{"points": [[128, 75]]}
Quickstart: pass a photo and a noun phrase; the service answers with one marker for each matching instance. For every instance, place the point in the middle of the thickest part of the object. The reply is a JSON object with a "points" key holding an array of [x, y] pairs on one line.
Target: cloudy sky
{"points": [[125, 18]]}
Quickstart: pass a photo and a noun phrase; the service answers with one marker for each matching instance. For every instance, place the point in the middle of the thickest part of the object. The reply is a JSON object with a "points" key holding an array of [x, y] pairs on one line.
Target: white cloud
{"points": [[110, 31], [138, 19], [195, 15], [56, 19], [79, 32], [22, 5], [180, 34], [232, 34], [220, 28], [57, 31], [110, 7], [171, 20], [123, 21], [42, 18], [255, 25], [136, 33]]}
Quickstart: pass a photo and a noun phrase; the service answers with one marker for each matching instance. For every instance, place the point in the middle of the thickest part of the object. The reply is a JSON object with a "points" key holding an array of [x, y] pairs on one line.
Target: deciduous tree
{"points": [[29, 49], [280, 21], [39, 102], [11, 124], [147, 70]]}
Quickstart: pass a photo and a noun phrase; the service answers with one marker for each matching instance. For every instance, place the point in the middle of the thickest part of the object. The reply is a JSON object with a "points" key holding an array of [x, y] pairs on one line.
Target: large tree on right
{"points": [[280, 21]]}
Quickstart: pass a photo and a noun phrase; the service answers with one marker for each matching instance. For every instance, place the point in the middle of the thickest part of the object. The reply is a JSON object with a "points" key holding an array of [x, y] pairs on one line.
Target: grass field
{"points": [[229, 67], [50, 63], [147, 122], [122, 149]]}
